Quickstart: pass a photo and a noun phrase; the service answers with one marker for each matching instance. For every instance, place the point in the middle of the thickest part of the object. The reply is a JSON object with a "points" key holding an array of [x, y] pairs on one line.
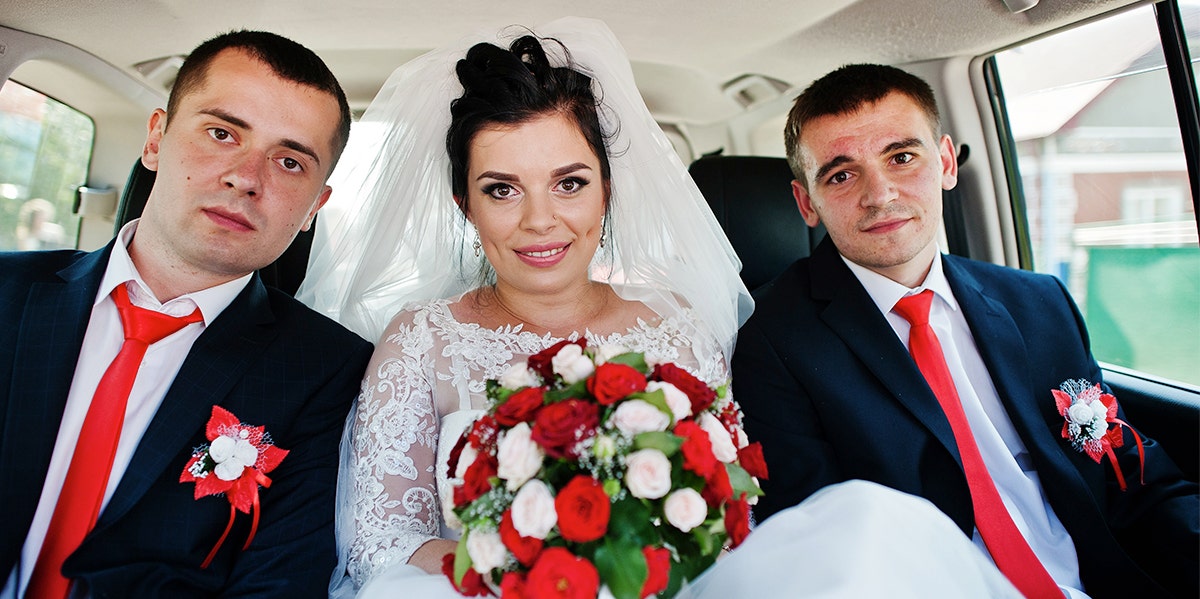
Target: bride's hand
{"points": [[428, 557]]}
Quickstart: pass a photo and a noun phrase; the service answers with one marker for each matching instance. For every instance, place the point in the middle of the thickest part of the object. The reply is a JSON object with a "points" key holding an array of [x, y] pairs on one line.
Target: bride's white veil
{"points": [[392, 234]]}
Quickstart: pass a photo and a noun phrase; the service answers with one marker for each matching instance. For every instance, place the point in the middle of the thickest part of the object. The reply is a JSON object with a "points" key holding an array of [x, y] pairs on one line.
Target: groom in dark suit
{"points": [[824, 372], [254, 125]]}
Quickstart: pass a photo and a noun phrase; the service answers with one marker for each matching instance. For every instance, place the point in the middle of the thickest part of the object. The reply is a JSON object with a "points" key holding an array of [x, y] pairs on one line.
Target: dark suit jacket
{"points": [[267, 358], [833, 395]]}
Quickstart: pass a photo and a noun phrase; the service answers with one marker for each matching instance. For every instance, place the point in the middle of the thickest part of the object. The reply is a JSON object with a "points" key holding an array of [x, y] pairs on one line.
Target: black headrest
{"points": [[751, 196], [285, 273]]}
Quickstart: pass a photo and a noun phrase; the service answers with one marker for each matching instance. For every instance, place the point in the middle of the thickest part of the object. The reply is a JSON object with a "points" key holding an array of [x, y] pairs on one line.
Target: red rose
{"points": [[472, 582], [613, 382], [512, 586], [697, 449], [520, 406], [559, 426], [699, 393], [540, 362], [737, 520], [583, 509], [476, 480], [658, 570], [717, 489], [482, 434], [525, 549], [558, 573], [456, 454], [751, 458]]}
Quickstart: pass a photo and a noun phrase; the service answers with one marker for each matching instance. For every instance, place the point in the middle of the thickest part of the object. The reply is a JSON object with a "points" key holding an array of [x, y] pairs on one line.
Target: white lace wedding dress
{"points": [[426, 383]]}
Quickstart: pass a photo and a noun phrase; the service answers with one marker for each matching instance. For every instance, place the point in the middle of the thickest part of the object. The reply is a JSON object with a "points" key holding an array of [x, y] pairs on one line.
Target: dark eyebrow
{"points": [[240, 123], [570, 168], [904, 144], [499, 176]]}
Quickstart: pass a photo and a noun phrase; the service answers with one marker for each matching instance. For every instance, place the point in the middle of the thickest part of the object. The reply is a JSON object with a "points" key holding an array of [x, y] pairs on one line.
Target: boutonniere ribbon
{"points": [[235, 462], [1088, 411]]}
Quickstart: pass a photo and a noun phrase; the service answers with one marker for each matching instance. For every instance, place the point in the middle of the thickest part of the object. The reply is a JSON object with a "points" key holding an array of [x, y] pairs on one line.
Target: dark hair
{"points": [[514, 86], [289, 60], [844, 91]]}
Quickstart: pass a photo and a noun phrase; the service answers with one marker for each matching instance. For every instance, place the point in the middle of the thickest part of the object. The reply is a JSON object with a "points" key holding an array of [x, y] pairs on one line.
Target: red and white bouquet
{"points": [[594, 473]]}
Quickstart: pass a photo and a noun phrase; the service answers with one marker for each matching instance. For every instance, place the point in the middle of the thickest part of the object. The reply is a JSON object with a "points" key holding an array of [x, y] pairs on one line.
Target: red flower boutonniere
{"points": [[235, 462], [1087, 412]]}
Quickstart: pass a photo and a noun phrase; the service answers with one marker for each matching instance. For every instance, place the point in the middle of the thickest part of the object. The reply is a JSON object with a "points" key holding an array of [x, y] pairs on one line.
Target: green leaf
{"points": [[633, 359], [462, 561], [628, 519], [741, 481], [665, 442], [622, 567], [575, 391]]}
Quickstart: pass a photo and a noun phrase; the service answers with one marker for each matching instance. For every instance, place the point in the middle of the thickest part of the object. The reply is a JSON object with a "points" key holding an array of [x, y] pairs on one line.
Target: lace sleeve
{"points": [[393, 448]]}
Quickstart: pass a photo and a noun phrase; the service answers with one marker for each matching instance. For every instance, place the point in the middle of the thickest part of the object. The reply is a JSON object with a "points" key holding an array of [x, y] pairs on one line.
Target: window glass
{"points": [[45, 147], [1106, 187]]}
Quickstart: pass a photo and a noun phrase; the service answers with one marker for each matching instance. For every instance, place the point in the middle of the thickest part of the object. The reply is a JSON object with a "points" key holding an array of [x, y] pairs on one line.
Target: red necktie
{"points": [[82, 492], [1009, 549]]}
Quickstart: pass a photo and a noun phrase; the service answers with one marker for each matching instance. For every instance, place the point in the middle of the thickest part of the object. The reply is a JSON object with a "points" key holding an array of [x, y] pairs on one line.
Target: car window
{"points": [[45, 147], [1105, 184]]}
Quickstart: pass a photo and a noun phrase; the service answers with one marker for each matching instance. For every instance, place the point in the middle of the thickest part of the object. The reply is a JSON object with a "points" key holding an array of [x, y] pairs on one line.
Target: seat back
{"points": [[751, 196], [285, 273]]}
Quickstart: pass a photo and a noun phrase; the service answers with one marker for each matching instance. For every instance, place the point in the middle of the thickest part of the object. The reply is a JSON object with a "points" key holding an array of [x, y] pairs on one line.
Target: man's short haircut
{"points": [[844, 91], [287, 59]]}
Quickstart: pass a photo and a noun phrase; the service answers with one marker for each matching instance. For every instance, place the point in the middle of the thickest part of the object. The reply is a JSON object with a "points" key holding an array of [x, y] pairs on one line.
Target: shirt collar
{"points": [[120, 269], [886, 292]]}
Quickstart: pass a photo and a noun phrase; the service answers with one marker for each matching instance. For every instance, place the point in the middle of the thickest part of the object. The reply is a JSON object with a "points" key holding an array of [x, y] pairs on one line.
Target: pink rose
{"points": [[648, 473], [519, 456], [635, 416], [685, 509]]}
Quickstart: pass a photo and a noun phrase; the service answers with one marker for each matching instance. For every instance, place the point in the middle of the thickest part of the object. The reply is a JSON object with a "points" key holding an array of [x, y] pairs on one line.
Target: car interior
{"points": [[1076, 124]]}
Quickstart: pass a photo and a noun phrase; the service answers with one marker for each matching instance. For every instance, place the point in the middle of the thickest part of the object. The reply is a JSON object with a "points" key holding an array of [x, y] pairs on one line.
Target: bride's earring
{"points": [[602, 235], [603, 229], [476, 246]]}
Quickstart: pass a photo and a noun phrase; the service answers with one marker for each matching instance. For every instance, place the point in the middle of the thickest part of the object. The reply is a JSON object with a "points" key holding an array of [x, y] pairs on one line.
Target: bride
{"points": [[521, 194]]}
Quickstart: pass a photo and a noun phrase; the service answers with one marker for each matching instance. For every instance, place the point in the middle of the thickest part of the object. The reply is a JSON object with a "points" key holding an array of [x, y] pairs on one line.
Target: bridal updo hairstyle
{"points": [[515, 86]]}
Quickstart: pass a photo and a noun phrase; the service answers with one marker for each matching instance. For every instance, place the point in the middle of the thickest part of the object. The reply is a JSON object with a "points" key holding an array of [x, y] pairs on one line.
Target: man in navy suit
{"points": [[829, 388], [254, 126]]}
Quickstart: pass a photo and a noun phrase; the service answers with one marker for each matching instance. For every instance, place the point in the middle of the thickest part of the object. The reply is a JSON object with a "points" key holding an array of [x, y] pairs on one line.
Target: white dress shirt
{"points": [[101, 343], [1006, 457]]}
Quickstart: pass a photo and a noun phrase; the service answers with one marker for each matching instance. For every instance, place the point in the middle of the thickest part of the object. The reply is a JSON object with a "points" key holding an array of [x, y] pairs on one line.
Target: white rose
{"points": [[681, 406], [1099, 411], [1098, 430], [571, 364], [221, 448], [533, 512], [1080, 413], [742, 439], [636, 416], [685, 509], [232, 456], [517, 376], [648, 473], [722, 444], [465, 459], [608, 351], [486, 549], [519, 456]]}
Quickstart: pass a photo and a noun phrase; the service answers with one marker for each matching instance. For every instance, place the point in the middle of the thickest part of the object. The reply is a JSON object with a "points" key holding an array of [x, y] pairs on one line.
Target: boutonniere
{"points": [[1088, 411], [235, 462]]}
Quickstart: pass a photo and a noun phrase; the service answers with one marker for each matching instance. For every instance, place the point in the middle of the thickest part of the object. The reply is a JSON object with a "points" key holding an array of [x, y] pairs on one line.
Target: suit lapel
{"points": [[215, 364], [51, 333], [1002, 347], [856, 319]]}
